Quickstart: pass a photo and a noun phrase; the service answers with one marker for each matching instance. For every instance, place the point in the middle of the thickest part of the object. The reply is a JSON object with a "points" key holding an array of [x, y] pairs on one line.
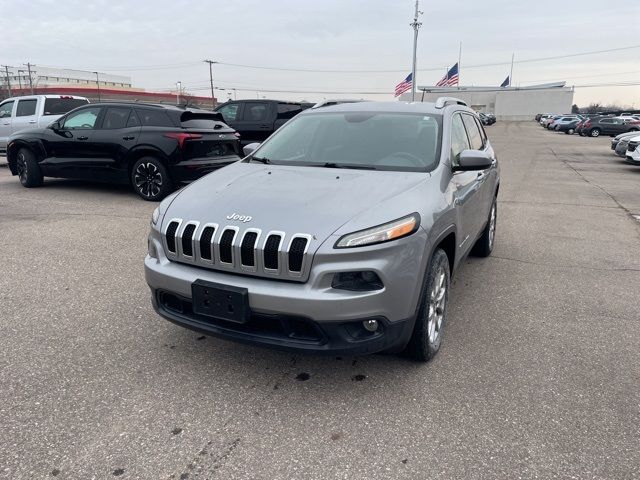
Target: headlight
{"points": [[155, 216], [382, 233]]}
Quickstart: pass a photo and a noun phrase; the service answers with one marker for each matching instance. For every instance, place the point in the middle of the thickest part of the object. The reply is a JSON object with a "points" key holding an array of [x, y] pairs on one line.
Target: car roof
{"points": [[382, 107]]}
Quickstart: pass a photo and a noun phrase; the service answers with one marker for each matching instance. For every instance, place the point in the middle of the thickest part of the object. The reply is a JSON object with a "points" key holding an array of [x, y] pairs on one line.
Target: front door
{"points": [[25, 116], [68, 147], [256, 122]]}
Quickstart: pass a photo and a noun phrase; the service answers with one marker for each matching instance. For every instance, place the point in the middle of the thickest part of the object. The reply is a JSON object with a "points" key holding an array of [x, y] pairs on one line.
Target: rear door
{"points": [[6, 118], [117, 134], [256, 122], [25, 116]]}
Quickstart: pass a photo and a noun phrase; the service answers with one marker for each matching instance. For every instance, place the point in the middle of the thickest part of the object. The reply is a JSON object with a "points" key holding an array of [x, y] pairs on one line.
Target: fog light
{"points": [[151, 247], [370, 325]]}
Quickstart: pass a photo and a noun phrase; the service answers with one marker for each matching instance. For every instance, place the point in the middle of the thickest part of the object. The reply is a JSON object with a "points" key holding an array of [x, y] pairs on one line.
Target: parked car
{"points": [[152, 147], [487, 118], [561, 121], [547, 121], [597, 126], [255, 120], [337, 101], [569, 126], [622, 136], [33, 111], [633, 151], [340, 234], [622, 146]]}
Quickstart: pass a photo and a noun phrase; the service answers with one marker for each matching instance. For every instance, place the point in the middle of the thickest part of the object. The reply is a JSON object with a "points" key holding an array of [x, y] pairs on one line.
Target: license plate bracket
{"points": [[222, 302]]}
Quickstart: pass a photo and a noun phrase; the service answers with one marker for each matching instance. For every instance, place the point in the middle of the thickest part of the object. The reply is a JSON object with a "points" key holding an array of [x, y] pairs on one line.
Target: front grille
{"points": [[246, 251]]}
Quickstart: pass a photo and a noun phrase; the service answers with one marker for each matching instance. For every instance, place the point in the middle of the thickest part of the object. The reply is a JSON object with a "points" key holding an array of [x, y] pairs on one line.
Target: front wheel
{"points": [[429, 327], [150, 179], [571, 131], [28, 169], [595, 132]]}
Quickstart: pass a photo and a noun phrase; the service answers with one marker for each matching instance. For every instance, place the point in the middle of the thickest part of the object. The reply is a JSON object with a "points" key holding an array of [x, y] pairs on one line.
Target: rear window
{"points": [[153, 118], [60, 106], [203, 121]]}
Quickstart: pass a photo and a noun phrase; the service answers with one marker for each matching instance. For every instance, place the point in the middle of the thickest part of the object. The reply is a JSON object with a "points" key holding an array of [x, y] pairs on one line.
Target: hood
{"points": [[292, 199]]}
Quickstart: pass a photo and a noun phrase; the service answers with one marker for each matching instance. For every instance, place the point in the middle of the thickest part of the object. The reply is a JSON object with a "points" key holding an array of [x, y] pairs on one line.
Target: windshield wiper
{"points": [[261, 160], [347, 165]]}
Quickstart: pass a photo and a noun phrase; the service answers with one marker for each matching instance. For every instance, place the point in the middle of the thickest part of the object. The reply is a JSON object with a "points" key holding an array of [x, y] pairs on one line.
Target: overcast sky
{"points": [[134, 38]]}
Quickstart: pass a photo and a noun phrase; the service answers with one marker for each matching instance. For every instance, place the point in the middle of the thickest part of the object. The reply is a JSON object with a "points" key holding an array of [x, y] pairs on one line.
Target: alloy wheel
{"points": [[148, 180], [21, 165], [437, 304]]}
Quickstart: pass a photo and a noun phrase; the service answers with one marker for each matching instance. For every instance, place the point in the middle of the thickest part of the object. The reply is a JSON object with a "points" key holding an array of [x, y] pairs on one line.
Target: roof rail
{"points": [[442, 102]]}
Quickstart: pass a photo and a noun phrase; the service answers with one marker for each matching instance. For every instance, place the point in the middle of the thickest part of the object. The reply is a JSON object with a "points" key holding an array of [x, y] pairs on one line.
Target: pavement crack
{"points": [[555, 265]]}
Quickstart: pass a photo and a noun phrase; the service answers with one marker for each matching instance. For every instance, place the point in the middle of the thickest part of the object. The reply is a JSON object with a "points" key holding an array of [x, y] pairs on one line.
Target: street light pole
{"points": [[98, 84], [416, 25]]}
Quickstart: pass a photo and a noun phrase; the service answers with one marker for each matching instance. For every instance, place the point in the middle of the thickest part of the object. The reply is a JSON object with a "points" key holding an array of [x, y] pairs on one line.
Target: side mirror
{"points": [[473, 160], [55, 126], [250, 148]]}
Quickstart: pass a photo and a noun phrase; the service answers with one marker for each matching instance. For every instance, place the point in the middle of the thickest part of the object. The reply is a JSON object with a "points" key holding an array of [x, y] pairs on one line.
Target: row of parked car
{"points": [[591, 125], [625, 128]]}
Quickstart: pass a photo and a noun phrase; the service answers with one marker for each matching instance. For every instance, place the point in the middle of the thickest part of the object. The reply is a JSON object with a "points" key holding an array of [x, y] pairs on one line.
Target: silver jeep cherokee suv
{"points": [[338, 234]]}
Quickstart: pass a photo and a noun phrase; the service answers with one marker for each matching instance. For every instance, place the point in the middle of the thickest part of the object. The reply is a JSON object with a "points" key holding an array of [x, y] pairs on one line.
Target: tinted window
{"points": [[606, 120], [459, 140], [483, 134], [6, 109], [82, 119], [376, 141], [62, 105], [288, 110], [116, 118], [153, 118], [230, 112], [475, 139], [255, 112], [26, 107]]}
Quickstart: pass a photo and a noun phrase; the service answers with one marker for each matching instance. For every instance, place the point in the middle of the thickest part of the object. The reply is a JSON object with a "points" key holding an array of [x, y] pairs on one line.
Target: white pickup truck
{"points": [[33, 111]]}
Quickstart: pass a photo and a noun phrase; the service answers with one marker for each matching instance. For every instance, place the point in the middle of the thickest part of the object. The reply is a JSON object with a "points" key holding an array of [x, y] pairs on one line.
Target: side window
{"points": [[475, 139], [26, 108], [115, 118], [255, 111], [153, 118], [459, 140], [6, 109], [288, 110], [82, 119], [483, 134], [133, 121], [229, 112]]}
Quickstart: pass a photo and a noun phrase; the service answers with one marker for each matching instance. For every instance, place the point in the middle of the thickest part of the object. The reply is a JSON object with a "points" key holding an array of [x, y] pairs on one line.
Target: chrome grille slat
{"points": [[230, 248]]}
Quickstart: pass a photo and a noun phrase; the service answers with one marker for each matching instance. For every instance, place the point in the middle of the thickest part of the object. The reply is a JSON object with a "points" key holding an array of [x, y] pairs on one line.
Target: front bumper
{"points": [[280, 309], [190, 170]]}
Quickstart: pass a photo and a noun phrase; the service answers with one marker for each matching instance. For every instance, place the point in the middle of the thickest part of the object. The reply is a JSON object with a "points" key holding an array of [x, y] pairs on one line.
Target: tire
{"points": [[150, 179], [29, 171], [571, 131], [429, 327], [595, 132], [484, 244]]}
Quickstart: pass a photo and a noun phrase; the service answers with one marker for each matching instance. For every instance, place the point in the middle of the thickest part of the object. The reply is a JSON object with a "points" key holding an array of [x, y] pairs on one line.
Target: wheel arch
{"points": [[14, 147], [146, 151]]}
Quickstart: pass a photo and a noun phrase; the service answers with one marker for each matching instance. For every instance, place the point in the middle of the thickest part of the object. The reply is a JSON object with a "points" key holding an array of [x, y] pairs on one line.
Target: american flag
{"points": [[404, 85], [450, 79]]}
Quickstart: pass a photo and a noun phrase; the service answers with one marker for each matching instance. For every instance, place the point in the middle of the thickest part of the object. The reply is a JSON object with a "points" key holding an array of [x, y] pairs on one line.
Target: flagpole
{"points": [[459, 64], [511, 74], [416, 25]]}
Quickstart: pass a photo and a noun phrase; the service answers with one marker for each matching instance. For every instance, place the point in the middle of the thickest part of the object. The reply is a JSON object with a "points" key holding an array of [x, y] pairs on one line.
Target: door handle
{"points": [[480, 176], [7, 123], [32, 121], [83, 138], [264, 126], [128, 138]]}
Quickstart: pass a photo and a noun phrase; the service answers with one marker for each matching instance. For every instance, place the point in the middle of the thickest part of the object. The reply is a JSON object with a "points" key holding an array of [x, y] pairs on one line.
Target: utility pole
{"points": [[6, 69], [511, 73], [20, 72], [213, 97], [98, 84], [30, 78], [416, 25]]}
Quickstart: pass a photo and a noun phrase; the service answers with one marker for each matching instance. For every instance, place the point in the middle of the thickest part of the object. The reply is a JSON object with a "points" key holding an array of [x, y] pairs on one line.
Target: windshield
{"points": [[376, 141]]}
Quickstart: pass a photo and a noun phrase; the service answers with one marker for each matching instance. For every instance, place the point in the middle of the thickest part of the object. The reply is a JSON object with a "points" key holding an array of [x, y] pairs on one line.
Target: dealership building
{"points": [[507, 103]]}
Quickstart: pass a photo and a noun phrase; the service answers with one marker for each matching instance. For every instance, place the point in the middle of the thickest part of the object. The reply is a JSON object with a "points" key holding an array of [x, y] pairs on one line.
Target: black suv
{"points": [[152, 147], [596, 126], [255, 120]]}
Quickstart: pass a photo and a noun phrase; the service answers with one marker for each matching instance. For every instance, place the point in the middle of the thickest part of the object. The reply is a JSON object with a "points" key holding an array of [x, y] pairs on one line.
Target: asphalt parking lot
{"points": [[538, 376]]}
